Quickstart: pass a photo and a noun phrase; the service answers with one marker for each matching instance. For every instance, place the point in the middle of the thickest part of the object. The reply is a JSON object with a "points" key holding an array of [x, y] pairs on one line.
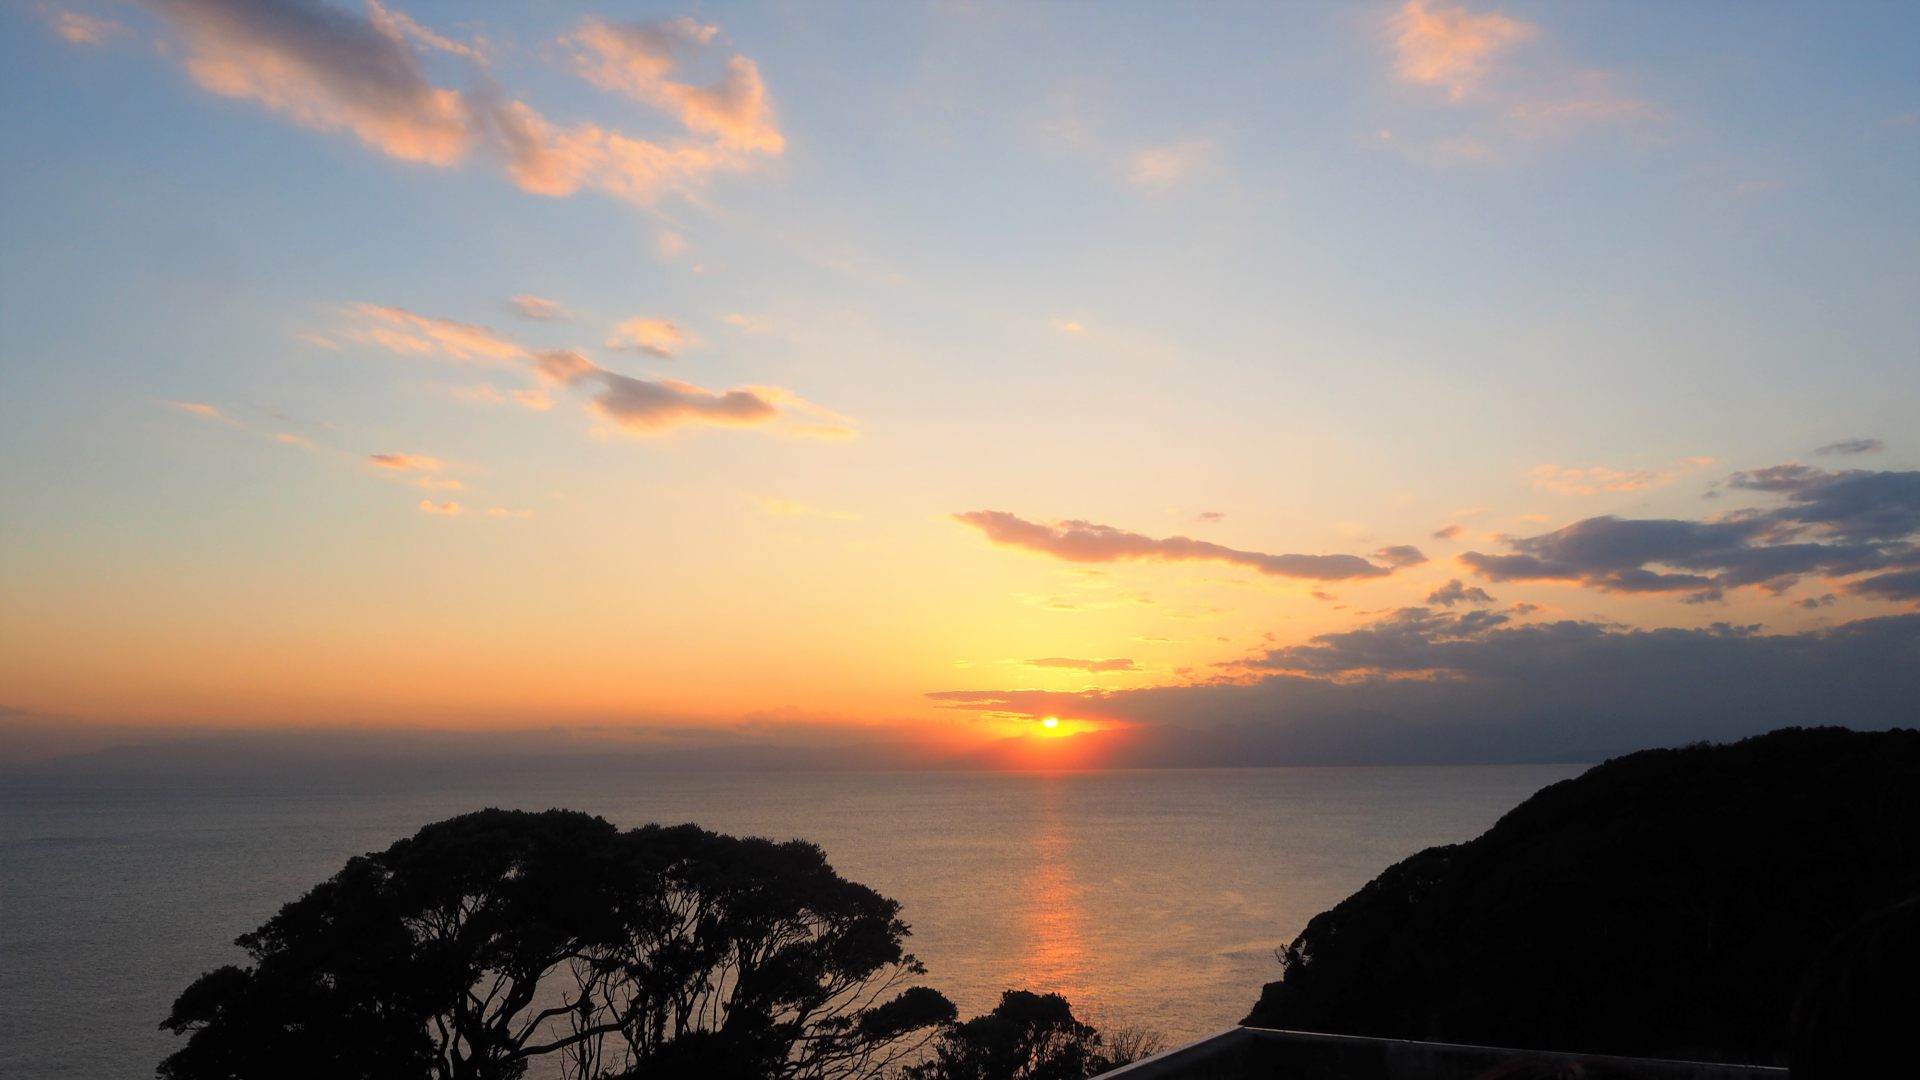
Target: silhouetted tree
{"points": [[494, 938], [1027, 1036]]}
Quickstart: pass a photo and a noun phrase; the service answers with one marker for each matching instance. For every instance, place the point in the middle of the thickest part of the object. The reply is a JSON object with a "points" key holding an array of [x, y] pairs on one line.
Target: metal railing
{"points": [[1245, 1053]]}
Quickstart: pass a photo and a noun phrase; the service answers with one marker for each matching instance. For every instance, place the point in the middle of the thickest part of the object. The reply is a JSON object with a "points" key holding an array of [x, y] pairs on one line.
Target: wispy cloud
{"points": [[1160, 167], [448, 509], [402, 331], [1850, 447], [538, 308], [406, 462], [400, 26], [1599, 479], [633, 405], [655, 337], [1474, 57], [1086, 542], [198, 408], [1119, 663], [78, 29], [637, 58], [1450, 47]]}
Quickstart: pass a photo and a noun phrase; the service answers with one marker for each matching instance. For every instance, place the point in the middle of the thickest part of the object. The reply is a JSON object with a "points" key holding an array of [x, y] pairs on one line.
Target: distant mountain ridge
{"points": [[1666, 903]]}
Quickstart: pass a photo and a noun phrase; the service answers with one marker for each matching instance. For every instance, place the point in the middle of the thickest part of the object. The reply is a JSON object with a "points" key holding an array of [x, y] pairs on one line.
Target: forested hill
{"points": [[1666, 903]]}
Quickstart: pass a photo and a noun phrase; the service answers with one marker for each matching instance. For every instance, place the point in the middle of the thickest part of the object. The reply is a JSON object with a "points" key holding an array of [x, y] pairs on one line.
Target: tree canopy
{"points": [[1667, 903], [493, 939], [1029, 1036]]}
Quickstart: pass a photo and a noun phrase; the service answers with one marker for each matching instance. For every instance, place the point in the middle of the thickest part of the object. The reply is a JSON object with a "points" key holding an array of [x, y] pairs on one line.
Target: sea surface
{"points": [[1151, 898]]}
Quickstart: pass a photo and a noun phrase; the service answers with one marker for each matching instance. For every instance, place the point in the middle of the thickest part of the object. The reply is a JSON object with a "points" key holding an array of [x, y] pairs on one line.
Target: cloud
{"points": [[536, 307], [324, 69], [197, 408], [1457, 592], [1836, 524], [1210, 517], [1086, 542], [1161, 167], [1853, 505], [637, 406], [1415, 686], [1589, 98], [1853, 446], [328, 69], [669, 244], [1451, 47], [655, 337], [644, 407], [546, 159], [503, 512], [1599, 479], [402, 331], [1115, 664], [291, 439], [1900, 585], [1069, 326], [406, 462], [400, 26], [562, 365], [635, 58], [77, 29], [1449, 532], [449, 509], [1400, 555]]}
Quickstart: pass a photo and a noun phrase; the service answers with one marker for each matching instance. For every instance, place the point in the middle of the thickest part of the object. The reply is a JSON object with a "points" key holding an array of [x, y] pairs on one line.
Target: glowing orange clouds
{"points": [[1451, 47], [655, 337], [331, 70], [635, 59], [325, 72]]}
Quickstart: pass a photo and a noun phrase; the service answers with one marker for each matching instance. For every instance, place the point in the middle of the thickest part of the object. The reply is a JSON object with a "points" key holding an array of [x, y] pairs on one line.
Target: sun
{"points": [[1050, 723]]}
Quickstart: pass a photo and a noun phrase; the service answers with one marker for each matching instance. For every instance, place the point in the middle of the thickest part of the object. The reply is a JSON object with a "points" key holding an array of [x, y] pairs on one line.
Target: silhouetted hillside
{"points": [[1665, 903]]}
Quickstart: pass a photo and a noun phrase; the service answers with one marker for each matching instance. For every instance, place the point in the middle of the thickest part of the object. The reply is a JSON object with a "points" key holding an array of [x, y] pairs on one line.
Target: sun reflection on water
{"points": [[1055, 932]]}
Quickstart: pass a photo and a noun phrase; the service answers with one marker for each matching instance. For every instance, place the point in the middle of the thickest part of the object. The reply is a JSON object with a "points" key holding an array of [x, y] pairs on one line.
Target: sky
{"points": [[1244, 384]]}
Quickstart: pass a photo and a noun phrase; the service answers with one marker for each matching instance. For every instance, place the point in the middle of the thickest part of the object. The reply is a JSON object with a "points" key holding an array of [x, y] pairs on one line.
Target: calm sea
{"points": [[1153, 898]]}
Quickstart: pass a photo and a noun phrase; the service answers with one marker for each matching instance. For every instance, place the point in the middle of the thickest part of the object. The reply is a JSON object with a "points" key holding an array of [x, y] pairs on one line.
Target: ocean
{"points": [[1150, 898]]}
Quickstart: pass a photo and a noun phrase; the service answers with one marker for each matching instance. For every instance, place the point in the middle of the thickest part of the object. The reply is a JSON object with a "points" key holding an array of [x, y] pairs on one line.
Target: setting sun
{"points": [[1050, 723]]}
